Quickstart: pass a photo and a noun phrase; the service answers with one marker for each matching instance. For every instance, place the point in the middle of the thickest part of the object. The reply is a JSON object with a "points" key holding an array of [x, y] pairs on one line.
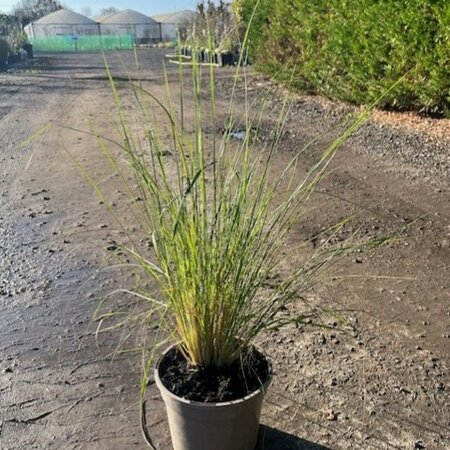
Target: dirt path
{"points": [[386, 387]]}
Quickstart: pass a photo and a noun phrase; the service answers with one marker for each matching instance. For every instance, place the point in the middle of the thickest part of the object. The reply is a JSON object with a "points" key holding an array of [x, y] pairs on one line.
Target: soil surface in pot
{"points": [[212, 384]]}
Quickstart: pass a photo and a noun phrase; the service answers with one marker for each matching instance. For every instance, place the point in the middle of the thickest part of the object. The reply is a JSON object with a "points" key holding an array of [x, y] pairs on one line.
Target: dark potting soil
{"points": [[212, 384]]}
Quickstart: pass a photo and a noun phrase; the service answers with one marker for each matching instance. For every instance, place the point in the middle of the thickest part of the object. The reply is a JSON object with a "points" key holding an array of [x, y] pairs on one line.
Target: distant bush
{"points": [[4, 49], [353, 50], [213, 26]]}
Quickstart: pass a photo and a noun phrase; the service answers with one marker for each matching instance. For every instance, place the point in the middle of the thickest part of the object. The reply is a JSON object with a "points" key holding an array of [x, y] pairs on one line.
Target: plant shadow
{"points": [[272, 439]]}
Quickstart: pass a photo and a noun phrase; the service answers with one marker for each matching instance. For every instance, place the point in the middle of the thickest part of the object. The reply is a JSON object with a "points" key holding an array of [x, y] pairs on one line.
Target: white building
{"points": [[142, 28], [62, 23], [173, 23]]}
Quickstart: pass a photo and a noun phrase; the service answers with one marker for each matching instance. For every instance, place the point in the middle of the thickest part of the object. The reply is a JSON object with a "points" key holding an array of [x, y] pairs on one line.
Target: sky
{"points": [[148, 7]]}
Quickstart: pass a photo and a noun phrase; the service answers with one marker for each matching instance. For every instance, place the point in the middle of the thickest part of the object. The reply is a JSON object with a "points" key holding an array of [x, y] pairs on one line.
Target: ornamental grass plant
{"points": [[217, 217], [216, 213]]}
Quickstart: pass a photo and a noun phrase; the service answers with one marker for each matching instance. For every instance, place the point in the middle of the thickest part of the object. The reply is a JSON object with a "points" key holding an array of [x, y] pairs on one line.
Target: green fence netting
{"points": [[82, 43]]}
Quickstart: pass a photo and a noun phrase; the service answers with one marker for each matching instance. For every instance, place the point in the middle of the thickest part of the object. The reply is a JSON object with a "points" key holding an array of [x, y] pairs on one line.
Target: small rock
{"points": [[7, 370], [331, 416]]}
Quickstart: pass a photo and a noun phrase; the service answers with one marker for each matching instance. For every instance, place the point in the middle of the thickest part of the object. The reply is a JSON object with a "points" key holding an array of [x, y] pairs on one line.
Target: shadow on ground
{"points": [[272, 439]]}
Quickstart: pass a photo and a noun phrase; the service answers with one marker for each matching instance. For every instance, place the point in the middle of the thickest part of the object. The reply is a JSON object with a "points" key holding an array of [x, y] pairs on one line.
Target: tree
{"points": [[4, 19], [215, 21], [108, 10], [30, 10], [11, 30]]}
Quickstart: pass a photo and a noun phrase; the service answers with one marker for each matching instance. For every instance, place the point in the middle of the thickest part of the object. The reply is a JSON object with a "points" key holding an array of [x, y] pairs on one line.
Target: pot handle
{"points": [[144, 428]]}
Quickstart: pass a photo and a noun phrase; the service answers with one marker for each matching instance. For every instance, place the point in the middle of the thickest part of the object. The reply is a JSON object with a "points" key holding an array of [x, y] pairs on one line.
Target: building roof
{"points": [[175, 17], [128, 16], [102, 18], [64, 17]]}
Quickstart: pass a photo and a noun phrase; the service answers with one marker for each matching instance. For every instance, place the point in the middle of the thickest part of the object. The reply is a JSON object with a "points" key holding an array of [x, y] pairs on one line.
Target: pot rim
{"points": [[193, 403]]}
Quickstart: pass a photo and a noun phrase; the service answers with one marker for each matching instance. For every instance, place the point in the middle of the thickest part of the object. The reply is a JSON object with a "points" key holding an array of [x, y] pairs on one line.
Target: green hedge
{"points": [[353, 50]]}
